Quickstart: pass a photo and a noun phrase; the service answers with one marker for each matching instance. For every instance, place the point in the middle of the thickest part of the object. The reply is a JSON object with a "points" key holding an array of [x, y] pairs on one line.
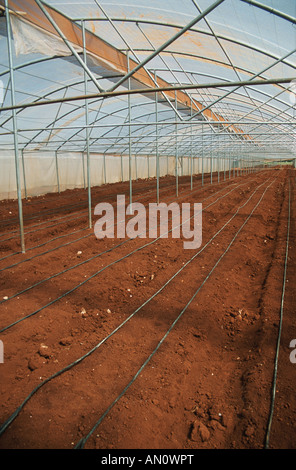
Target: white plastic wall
{"points": [[40, 170]]}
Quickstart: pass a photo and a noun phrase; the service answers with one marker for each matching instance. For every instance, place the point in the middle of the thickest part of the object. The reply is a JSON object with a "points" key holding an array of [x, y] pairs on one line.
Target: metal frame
{"points": [[15, 127], [170, 121]]}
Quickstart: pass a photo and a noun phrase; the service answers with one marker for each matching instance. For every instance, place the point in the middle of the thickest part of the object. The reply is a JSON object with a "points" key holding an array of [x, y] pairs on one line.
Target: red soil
{"points": [[209, 384]]}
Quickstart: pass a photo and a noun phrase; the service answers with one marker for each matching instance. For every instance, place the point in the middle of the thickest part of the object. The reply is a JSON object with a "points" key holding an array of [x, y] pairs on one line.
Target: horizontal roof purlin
{"points": [[109, 56], [152, 90]]}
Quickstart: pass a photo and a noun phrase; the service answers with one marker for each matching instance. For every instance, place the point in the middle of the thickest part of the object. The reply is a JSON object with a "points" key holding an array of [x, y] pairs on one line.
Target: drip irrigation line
{"points": [[49, 251], [69, 206], [267, 438], [109, 265], [62, 236], [40, 223], [56, 209], [40, 214], [101, 188], [92, 258], [81, 443], [73, 241], [141, 194], [40, 245], [44, 228], [67, 217], [37, 246], [165, 188], [34, 202]]}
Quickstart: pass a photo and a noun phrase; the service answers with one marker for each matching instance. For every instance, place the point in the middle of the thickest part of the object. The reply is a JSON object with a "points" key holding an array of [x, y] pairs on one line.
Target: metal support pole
{"points": [[136, 166], [156, 142], [57, 171], [212, 158], [105, 175], [224, 158], [218, 164], [177, 157], [15, 135], [87, 131], [24, 173], [121, 163], [83, 170], [182, 165], [233, 168], [191, 150], [202, 158], [129, 134]]}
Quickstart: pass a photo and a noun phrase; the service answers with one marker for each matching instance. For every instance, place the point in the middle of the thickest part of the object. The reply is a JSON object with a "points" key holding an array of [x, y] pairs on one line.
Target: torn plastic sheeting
{"points": [[30, 39]]}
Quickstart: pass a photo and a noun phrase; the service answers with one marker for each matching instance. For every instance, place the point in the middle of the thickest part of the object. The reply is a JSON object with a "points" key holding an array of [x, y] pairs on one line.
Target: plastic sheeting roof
{"points": [[238, 40]]}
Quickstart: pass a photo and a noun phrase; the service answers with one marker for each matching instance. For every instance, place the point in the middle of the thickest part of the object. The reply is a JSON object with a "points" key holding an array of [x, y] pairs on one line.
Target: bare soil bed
{"points": [[191, 363]]}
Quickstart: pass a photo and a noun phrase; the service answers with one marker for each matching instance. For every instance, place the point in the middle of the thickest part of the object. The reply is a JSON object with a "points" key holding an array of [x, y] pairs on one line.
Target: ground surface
{"points": [[204, 381]]}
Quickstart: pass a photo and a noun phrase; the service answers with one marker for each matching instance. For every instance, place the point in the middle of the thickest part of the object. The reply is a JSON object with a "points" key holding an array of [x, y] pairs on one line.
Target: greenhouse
{"points": [[126, 130]]}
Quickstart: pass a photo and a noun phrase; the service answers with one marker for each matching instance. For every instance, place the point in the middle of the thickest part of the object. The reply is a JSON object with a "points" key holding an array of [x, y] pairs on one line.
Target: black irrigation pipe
{"points": [[102, 253], [54, 198], [40, 223], [81, 443], [167, 187], [99, 189], [63, 217], [107, 266], [280, 326], [45, 228], [14, 220], [73, 241], [49, 251], [42, 244], [56, 238], [60, 218], [141, 193], [10, 221]]}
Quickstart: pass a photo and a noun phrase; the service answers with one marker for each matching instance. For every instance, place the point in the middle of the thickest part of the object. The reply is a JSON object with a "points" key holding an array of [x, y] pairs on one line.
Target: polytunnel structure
{"points": [[150, 99]]}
